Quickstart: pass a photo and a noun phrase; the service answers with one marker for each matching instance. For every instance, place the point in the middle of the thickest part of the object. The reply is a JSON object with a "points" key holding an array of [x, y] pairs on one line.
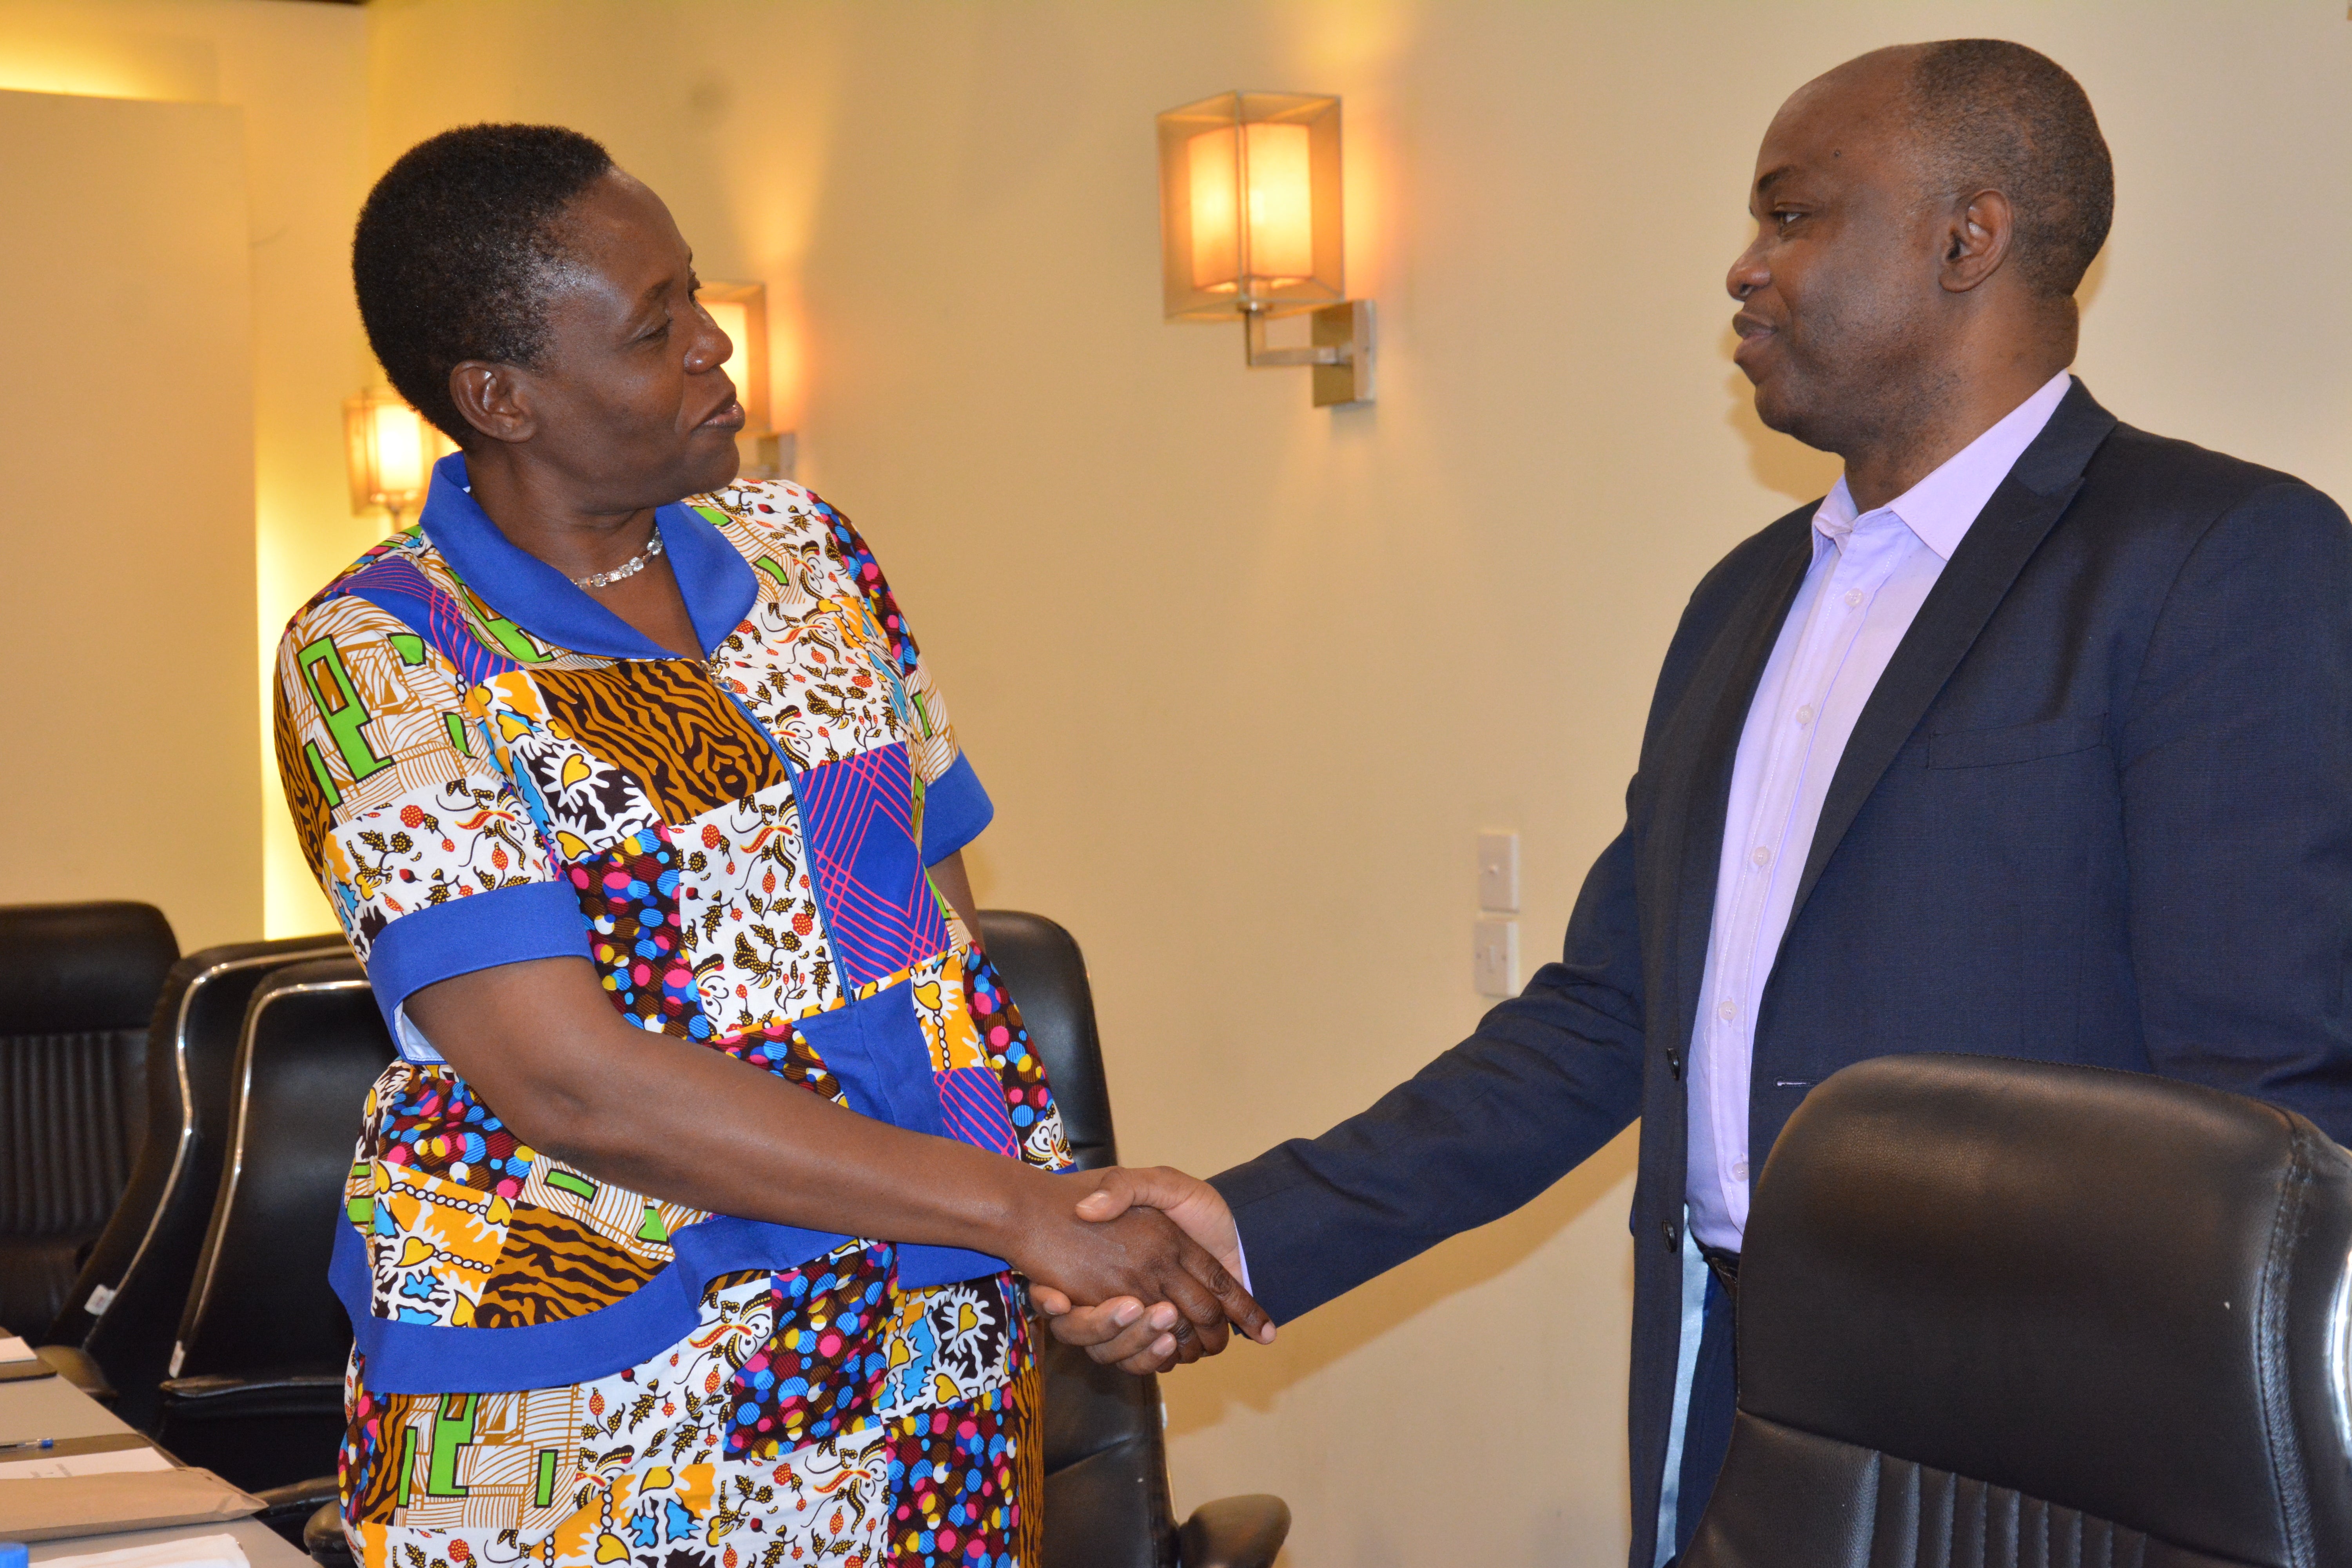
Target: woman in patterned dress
{"points": [[685, 1228]]}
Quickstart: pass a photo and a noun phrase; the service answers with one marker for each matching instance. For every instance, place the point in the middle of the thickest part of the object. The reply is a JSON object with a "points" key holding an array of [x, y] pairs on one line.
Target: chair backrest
{"points": [[1995, 1312], [313, 1045], [78, 985], [125, 1307], [1107, 1503]]}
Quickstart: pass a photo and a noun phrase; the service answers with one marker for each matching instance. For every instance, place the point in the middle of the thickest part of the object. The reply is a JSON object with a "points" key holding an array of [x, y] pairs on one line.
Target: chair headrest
{"points": [[74, 968], [2117, 1293]]}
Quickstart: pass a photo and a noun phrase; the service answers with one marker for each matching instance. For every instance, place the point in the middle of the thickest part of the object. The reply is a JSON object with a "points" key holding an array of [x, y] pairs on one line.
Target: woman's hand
{"points": [[1142, 1257], [1122, 1332]]}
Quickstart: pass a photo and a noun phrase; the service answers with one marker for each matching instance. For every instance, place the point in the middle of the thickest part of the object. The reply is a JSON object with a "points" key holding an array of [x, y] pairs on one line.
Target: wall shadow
{"points": [[1256, 1378]]}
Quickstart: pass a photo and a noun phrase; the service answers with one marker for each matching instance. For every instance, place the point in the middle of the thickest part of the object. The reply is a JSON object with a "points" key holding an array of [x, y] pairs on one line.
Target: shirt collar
{"points": [[1940, 507], [717, 582]]}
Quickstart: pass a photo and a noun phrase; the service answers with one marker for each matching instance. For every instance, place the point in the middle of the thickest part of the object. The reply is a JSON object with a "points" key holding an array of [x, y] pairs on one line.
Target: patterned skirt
{"points": [[819, 1417]]}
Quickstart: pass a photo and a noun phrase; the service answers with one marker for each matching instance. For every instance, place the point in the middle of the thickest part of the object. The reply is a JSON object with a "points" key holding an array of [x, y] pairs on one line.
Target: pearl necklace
{"points": [[629, 568]]}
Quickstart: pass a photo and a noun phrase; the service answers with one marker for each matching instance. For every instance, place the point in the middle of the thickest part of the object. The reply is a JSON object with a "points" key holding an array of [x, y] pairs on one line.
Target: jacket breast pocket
{"points": [[2016, 742]]}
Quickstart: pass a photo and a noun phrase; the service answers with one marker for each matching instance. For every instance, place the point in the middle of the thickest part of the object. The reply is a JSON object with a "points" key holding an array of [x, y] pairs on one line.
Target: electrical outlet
{"points": [[1499, 872], [1495, 958]]}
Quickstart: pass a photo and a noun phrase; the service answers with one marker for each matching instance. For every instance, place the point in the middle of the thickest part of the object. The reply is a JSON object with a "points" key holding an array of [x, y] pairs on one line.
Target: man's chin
{"points": [[1777, 411]]}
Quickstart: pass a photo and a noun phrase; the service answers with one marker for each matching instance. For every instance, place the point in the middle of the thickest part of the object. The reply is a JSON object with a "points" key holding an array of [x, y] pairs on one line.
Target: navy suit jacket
{"points": [[2098, 810]]}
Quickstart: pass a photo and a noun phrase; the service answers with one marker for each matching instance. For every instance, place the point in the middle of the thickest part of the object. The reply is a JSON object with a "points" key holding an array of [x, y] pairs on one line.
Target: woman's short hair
{"points": [[456, 253]]}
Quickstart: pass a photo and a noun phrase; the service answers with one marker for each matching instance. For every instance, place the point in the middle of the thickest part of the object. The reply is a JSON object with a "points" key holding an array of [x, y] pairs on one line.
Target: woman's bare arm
{"points": [[951, 878], [541, 1043]]}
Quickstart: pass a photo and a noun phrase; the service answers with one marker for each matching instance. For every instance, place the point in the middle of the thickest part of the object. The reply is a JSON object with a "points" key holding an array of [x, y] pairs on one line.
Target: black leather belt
{"points": [[1726, 1265]]}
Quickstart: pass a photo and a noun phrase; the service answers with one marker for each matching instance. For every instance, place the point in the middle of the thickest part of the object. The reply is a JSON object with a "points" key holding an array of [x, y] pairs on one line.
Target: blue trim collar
{"points": [[719, 586]]}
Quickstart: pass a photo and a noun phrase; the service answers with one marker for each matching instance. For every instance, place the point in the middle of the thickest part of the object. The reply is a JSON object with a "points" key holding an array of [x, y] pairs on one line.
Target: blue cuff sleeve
{"points": [[505, 925], [955, 810]]}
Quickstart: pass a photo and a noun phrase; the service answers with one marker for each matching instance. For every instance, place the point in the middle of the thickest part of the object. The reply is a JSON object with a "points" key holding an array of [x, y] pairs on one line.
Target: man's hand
{"points": [[1122, 1330], [1125, 1258]]}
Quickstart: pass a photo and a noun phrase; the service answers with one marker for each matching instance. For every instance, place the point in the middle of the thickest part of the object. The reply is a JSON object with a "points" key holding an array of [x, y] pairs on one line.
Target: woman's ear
{"points": [[494, 398]]}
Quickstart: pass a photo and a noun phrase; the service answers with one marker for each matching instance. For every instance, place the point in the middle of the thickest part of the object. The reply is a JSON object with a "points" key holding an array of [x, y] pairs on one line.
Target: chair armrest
{"points": [[74, 1366], [324, 1540], [288, 1509], [219, 1397], [1234, 1533]]}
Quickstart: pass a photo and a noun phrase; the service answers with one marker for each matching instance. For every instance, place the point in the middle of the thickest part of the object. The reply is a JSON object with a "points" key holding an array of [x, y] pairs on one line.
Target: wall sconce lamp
{"points": [[741, 311], [389, 451], [1249, 226]]}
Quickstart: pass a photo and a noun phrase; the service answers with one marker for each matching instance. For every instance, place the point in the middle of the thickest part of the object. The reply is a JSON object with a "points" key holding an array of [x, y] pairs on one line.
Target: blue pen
{"points": [[32, 1442]]}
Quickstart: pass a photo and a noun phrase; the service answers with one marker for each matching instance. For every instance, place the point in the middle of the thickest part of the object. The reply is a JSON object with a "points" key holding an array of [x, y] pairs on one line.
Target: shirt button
{"points": [[1853, 598], [1740, 1170], [1760, 855], [1726, 1010], [1805, 714]]}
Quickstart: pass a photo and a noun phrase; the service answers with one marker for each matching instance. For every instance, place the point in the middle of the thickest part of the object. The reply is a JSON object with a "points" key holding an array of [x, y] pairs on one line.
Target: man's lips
{"points": [[1754, 334], [729, 415]]}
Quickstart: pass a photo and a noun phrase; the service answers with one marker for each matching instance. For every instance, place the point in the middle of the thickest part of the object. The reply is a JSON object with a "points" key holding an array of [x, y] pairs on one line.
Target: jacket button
{"points": [[1674, 1235], [1674, 1063]]}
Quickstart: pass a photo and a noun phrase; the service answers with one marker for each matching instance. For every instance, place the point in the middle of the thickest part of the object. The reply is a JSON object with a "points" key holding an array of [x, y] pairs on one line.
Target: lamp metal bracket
{"points": [[1338, 350]]}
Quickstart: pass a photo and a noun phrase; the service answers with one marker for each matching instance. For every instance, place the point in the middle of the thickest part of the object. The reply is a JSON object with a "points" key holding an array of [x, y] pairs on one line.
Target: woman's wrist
{"points": [[1010, 1201]]}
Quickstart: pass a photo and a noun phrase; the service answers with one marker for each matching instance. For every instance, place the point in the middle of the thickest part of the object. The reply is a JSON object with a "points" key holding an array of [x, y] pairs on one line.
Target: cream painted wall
{"points": [[298, 73], [126, 611], [1247, 677]]}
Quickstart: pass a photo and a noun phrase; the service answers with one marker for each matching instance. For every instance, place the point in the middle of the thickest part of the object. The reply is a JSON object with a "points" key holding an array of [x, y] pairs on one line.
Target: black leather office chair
{"points": [[1107, 1503], [1999, 1312], [255, 1386], [124, 1309], [78, 983]]}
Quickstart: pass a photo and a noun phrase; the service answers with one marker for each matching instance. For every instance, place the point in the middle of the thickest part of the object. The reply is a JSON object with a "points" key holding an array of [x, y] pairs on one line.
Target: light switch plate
{"points": [[1499, 871], [1494, 957]]}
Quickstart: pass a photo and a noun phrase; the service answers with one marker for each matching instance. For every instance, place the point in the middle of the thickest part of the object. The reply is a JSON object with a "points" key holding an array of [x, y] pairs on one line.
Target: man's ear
{"points": [[494, 399], [1975, 240]]}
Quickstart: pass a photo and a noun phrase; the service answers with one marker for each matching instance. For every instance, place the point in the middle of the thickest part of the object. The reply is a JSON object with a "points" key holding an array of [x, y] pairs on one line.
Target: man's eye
{"points": [[1781, 220]]}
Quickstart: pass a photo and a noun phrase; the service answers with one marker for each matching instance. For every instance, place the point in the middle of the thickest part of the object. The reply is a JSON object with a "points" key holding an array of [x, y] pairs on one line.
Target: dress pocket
{"points": [[2016, 742]]}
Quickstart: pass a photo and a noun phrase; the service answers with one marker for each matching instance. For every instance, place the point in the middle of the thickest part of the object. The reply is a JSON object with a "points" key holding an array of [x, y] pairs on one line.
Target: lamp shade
{"points": [[1249, 204], [741, 311], [389, 452]]}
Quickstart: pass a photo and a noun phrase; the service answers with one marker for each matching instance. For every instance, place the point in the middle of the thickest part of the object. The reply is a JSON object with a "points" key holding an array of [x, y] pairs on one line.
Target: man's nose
{"points": [[1747, 274]]}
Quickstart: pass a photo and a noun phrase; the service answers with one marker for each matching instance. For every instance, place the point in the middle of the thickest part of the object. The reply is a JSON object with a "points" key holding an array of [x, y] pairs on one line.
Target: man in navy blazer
{"points": [[2033, 739]]}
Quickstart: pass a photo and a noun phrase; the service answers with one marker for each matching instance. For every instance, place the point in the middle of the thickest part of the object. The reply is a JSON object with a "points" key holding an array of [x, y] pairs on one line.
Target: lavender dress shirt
{"points": [[1870, 575]]}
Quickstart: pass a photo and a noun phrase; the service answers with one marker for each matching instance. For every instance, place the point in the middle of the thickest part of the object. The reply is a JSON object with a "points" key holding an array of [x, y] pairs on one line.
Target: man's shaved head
{"points": [[1986, 114], [1923, 217]]}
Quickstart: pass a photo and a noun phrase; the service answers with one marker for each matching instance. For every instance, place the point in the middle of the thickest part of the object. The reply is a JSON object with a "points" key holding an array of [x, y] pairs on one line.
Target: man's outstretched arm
{"points": [[1550, 1076]]}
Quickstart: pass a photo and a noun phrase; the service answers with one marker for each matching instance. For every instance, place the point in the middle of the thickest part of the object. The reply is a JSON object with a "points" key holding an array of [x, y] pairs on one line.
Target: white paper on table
{"points": [[47, 1466], [13, 1348], [219, 1551]]}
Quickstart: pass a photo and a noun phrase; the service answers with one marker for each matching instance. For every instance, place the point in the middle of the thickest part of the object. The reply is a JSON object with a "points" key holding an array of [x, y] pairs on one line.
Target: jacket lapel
{"points": [[1996, 548], [1721, 691]]}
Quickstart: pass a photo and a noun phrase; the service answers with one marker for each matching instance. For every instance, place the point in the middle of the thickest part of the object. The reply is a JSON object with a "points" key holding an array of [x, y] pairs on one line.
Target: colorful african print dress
{"points": [[488, 766]]}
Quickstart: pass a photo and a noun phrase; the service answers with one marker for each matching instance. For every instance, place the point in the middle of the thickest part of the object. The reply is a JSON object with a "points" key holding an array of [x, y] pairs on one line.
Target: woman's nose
{"points": [[712, 346]]}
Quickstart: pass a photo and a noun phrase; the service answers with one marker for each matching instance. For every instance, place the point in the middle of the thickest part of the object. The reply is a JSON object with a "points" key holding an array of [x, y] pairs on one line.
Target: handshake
{"points": [[1148, 1277]]}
